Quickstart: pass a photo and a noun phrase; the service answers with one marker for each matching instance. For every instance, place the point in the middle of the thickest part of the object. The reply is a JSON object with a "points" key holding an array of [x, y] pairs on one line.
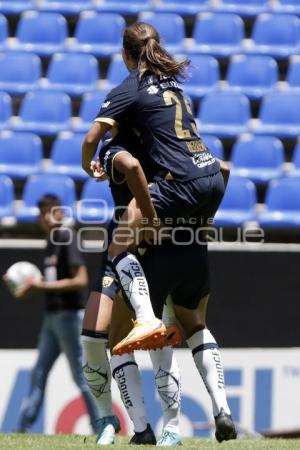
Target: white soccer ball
{"points": [[21, 273]]}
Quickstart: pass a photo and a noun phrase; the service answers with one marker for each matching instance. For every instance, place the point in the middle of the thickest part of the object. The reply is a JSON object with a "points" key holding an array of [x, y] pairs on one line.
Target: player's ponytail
{"points": [[142, 42]]}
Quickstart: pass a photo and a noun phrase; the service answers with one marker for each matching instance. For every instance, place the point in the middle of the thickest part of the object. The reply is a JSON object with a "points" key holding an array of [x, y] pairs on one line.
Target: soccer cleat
{"points": [[169, 439], [107, 426], [173, 337], [143, 333], [225, 429], [145, 437]]}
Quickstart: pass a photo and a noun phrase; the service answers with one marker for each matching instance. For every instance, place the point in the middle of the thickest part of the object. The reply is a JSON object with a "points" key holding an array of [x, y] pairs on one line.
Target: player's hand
{"points": [[27, 290], [98, 171]]}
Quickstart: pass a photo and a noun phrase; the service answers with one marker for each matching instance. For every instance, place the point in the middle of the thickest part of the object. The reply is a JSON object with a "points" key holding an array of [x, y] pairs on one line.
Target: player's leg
{"points": [[48, 351], [133, 282], [67, 328], [208, 361]]}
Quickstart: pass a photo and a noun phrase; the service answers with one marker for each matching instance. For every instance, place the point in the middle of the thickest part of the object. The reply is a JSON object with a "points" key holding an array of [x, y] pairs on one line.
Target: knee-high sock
{"points": [[168, 385], [168, 316], [208, 362], [134, 284], [126, 373], [96, 370]]}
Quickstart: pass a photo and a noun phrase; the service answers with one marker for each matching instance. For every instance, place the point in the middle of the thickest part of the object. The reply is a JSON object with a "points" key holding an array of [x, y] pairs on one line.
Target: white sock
{"points": [[96, 370], [135, 286], [168, 385], [126, 373], [168, 315], [208, 362]]}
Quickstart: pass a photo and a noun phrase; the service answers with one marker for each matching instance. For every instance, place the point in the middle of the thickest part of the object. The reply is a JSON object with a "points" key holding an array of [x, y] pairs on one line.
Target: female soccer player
{"points": [[152, 103]]}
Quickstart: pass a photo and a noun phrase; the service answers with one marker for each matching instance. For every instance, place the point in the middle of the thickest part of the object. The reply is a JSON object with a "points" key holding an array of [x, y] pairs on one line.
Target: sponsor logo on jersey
{"points": [[152, 90]]}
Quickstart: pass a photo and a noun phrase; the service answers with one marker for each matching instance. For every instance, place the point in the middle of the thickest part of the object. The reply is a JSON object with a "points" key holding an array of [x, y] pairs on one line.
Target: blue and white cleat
{"points": [[169, 439], [107, 428]]}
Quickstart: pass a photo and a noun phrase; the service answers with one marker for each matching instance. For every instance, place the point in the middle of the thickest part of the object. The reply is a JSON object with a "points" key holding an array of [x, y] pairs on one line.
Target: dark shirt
{"points": [[60, 257], [160, 115]]}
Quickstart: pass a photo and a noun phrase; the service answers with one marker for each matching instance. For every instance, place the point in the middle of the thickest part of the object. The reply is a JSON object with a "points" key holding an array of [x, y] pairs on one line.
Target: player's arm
{"points": [[225, 170], [136, 180], [91, 142]]}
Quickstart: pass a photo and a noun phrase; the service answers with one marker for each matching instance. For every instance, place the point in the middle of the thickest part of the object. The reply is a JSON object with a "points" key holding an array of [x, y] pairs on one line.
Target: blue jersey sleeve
{"points": [[119, 102]]}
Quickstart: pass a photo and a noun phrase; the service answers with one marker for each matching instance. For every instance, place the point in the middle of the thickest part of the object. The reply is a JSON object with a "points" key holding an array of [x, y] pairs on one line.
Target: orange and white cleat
{"points": [[173, 337], [143, 334]]}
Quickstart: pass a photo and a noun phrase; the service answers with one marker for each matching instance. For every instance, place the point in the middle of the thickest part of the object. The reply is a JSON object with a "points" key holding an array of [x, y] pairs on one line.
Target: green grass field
{"points": [[63, 442]]}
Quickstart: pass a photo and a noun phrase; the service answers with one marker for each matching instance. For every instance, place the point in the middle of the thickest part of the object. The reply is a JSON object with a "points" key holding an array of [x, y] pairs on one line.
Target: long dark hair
{"points": [[142, 42]]}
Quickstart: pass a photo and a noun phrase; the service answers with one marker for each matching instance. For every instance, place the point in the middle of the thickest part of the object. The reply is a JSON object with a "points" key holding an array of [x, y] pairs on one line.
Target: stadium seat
{"points": [[214, 144], [116, 72], [20, 72], [282, 204], [252, 75], [203, 76], [66, 156], [124, 6], [287, 6], [279, 115], [72, 73], [20, 154], [217, 34], [171, 28], [66, 7], [96, 202], [259, 158], [293, 74], [38, 185], [89, 108], [41, 33], [3, 32], [295, 172], [245, 8], [276, 35], [238, 205], [99, 34], [190, 7], [7, 197], [11, 7], [44, 113], [224, 114], [5, 110]]}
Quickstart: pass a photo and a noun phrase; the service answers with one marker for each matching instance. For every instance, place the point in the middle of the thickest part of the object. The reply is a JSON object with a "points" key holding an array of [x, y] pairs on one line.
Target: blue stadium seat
{"points": [[279, 115], [11, 7], [203, 76], [73, 73], [259, 158], [245, 8], [295, 172], [44, 113], [5, 110], [293, 74], [38, 185], [116, 72], [41, 33], [287, 6], [282, 204], [214, 144], [124, 6], [20, 154], [96, 202], [7, 197], [238, 205], [66, 7], [276, 35], [171, 28], [66, 156], [20, 72], [224, 114], [220, 35], [3, 32], [89, 108], [189, 7], [252, 75], [100, 34]]}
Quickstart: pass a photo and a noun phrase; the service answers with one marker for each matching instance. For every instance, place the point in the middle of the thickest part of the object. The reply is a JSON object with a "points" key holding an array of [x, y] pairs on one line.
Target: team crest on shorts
{"points": [[107, 281]]}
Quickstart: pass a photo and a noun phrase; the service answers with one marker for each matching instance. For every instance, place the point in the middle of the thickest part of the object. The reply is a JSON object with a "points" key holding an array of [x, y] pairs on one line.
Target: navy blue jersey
{"points": [[162, 118]]}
